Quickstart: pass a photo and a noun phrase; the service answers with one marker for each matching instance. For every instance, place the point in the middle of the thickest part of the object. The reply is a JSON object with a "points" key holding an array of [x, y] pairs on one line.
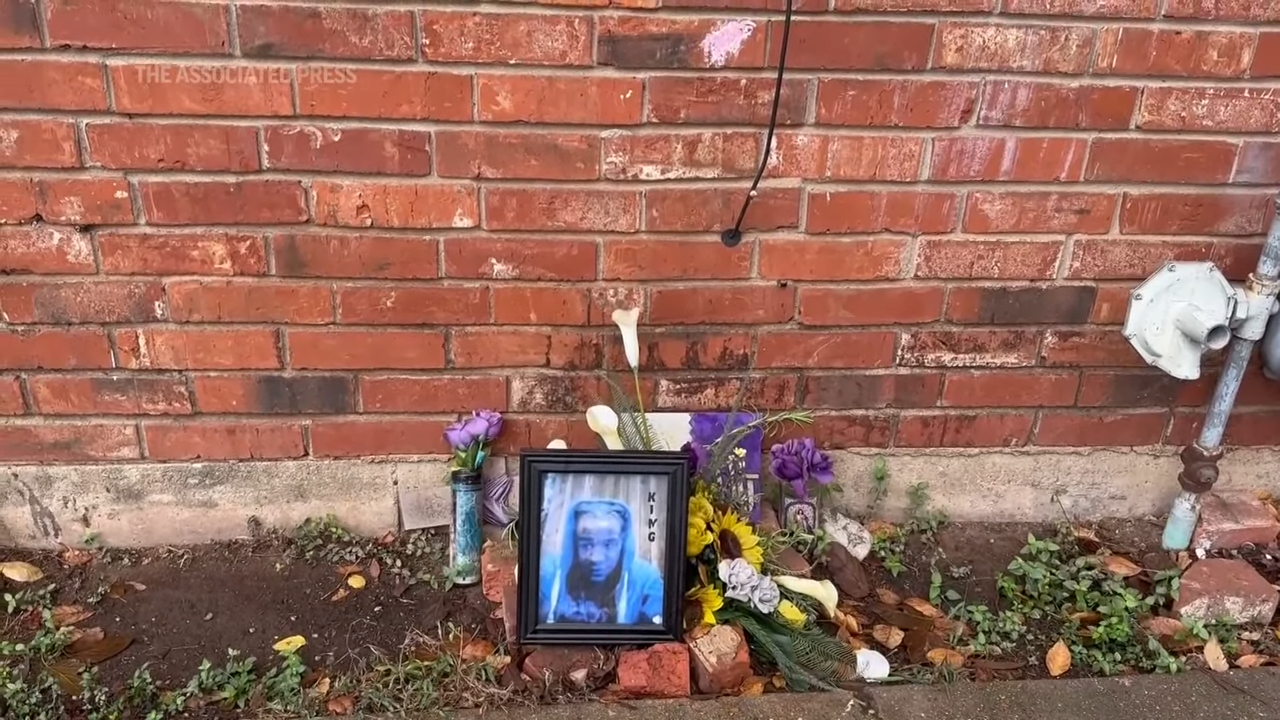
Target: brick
{"points": [[1259, 163], [365, 349], [223, 441], [540, 305], [1266, 56], [894, 159], [866, 211], [126, 252], [1088, 429], [148, 349], [559, 393], [723, 100], [964, 430], [17, 201], [1017, 159], [208, 300], [569, 99], [968, 348], [826, 349], [38, 144], [987, 259], [776, 5], [217, 202], [167, 89], [803, 259], [1088, 348], [45, 249], [1039, 212], [389, 204], [396, 305], [657, 259], [1225, 590], [1009, 389], [1229, 521], [325, 32], [1025, 103], [707, 210], [432, 394], [65, 303], [85, 201], [172, 146], [1162, 161], [68, 443], [376, 151], [21, 28], [355, 256], [1053, 305], [1210, 109], [916, 5], [275, 394], [1175, 53], [739, 304], [667, 350], [531, 208], [483, 348], [139, 25], [659, 42], [1246, 429], [896, 103], [377, 438], [11, 401], [399, 94], [607, 298], [853, 45], [1021, 48], [54, 350], [848, 390], [889, 305], [109, 395], [499, 258], [1195, 214], [49, 85], [680, 156], [847, 430], [1085, 8], [506, 38], [532, 155], [770, 392], [1108, 388], [1111, 305], [1123, 259], [1223, 9]]}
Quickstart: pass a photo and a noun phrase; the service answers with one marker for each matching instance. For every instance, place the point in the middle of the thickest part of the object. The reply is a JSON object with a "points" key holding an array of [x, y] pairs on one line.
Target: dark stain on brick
{"points": [[304, 394], [19, 18], [552, 393], [849, 392], [647, 51], [731, 358], [1140, 390], [289, 258], [1016, 306], [583, 353]]}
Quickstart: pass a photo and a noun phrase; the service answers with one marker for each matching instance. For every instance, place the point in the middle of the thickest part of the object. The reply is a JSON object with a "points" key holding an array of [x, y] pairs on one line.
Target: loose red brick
{"points": [[45, 249], [396, 204], [127, 252], [896, 103], [680, 156], [1024, 48], [17, 201], [1111, 306], [1259, 163], [1123, 259], [723, 100], [1266, 56], [865, 211], [377, 438], [1195, 214], [365, 350], [968, 348], [661, 42], [379, 151], [533, 155], [1039, 212], [68, 443], [889, 305], [217, 202], [803, 259], [109, 395], [656, 259], [1210, 109], [11, 402], [254, 301], [1017, 159], [85, 201], [82, 302], [172, 146], [665, 350], [530, 208], [399, 94], [1053, 305], [916, 5], [1163, 161], [481, 348], [707, 210], [964, 430], [275, 394], [139, 25], [1085, 8], [21, 28], [987, 259], [1025, 103], [154, 349], [529, 305], [506, 38], [854, 45], [223, 441], [1010, 389], [328, 32], [848, 390], [355, 256], [167, 89], [499, 258], [395, 305], [49, 85], [38, 144], [1107, 388], [432, 394], [1176, 53], [54, 350], [570, 99], [739, 304], [827, 349], [1223, 9], [770, 392], [874, 158], [1087, 429], [1088, 348]]}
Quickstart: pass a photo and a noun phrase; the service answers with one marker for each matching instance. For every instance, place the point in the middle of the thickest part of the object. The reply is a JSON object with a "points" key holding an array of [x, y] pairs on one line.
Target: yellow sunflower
{"points": [[734, 538], [791, 614], [710, 600], [700, 536]]}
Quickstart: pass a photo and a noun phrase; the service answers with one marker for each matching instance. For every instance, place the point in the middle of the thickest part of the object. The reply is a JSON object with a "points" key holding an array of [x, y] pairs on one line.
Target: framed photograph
{"points": [[602, 538]]}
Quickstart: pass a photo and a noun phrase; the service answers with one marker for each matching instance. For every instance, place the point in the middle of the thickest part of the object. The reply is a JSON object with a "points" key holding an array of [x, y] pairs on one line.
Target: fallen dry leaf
{"points": [[67, 615], [387, 538], [137, 586], [291, 644], [98, 649], [1183, 559], [945, 656], [888, 597], [339, 595], [1214, 656], [1162, 626], [341, 705], [1252, 661], [499, 662], [1244, 648], [1086, 618], [1058, 660], [477, 651], [349, 568], [19, 571], [778, 681], [888, 635], [356, 581], [923, 607], [1120, 565], [1088, 539], [375, 569], [93, 634], [75, 557], [1251, 635], [880, 528], [67, 672], [918, 644], [321, 688], [905, 620], [753, 687]]}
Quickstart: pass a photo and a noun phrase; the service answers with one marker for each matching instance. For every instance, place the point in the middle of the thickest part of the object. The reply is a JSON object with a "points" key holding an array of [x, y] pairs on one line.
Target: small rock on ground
{"points": [[1220, 590]]}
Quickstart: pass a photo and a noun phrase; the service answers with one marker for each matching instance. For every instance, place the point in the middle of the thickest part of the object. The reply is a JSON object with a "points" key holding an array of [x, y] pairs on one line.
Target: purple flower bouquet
{"points": [[471, 437]]}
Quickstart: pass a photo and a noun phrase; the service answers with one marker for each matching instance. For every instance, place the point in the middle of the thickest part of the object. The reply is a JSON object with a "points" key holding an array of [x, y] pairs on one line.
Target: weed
{"points": [[879, 485]]}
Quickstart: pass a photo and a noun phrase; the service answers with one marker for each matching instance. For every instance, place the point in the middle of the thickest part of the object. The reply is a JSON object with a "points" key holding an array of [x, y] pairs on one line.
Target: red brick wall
{"points": [[268, 230]]}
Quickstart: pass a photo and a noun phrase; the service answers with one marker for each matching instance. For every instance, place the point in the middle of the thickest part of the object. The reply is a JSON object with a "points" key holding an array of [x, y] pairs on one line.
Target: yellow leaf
{"points": [[321, 688], [778, 681], [1252, 661], [753, 687], [1214, 656], [945, 656], [1120, 565], [290, 645], [1058, 660], [19, 571], [923, 607], [356, 581], [888, 597], [888, 635]]}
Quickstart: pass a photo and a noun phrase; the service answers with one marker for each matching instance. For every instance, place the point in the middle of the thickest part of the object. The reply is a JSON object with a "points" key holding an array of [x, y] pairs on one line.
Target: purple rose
{"points": [[785, 464], [458, 437], [797, 462], [476, 427], [493, 424]]}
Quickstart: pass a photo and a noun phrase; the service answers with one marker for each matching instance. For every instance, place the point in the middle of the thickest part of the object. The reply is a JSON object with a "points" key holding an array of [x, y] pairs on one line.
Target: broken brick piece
{"points": [[661, 671], [1232, 520], [1219, 590]]}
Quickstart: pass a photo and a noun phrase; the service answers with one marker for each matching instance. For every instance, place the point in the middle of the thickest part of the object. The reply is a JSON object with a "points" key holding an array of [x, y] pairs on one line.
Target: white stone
{"points": [[849, 533]]}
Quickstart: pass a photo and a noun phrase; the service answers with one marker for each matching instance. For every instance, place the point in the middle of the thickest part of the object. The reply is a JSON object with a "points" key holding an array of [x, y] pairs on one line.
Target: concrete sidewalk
{"points": [[1238, 695]]}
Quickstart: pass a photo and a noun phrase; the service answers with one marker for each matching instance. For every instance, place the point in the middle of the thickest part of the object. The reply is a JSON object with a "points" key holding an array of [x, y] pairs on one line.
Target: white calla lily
{"points": [[557, 444], [603, 421], [824, 592], [626, 320]]}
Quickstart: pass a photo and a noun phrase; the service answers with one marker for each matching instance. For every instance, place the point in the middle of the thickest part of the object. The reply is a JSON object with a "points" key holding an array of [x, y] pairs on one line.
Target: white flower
{"points": [[626, 321], [824, 592], [603, 421], [765, 596], [739, 577]]}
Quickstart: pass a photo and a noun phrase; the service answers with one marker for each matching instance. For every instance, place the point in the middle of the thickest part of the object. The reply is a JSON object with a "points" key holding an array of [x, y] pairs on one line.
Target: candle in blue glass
{"points": [[466, 534]]}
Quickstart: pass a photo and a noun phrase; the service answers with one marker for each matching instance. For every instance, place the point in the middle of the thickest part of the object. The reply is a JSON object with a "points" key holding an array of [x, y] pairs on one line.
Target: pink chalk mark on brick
{"points": [[725, 41]]}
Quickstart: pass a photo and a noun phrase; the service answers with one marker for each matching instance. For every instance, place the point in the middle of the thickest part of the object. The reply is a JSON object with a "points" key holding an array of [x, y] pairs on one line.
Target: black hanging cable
{"points": [[733, 235]]}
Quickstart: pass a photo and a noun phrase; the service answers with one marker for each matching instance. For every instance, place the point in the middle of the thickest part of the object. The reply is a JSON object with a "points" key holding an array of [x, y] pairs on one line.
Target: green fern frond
{"points": [[634, 428]]}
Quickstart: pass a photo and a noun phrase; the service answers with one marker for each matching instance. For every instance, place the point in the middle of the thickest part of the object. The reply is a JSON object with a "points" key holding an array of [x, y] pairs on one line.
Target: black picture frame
{"points": [[535, 465]]}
